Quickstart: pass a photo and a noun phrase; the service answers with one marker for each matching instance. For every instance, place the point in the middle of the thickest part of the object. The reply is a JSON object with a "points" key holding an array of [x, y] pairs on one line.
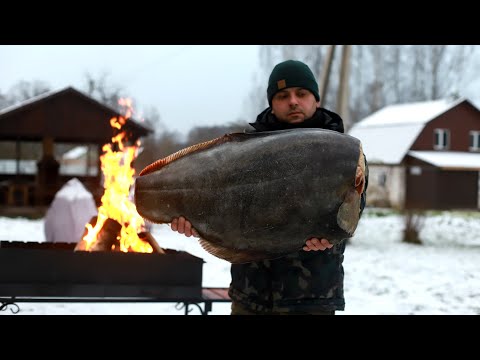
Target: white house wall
{"points": [[393, 189], [397, 186]]}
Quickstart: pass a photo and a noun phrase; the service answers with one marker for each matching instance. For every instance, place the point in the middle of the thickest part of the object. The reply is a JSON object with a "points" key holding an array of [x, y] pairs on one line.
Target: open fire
{"points": [[115, 259], [118, 226]]}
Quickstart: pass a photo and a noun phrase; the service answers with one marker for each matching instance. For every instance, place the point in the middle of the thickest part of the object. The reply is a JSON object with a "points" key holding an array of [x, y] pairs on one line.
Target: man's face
{"points": [[294, 105]]}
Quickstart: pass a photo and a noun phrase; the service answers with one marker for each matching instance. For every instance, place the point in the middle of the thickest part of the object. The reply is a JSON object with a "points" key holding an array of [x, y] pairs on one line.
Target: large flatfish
{"points": [[254, 196]]}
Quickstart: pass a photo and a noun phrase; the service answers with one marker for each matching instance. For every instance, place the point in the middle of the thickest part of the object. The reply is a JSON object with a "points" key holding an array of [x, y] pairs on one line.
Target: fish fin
{"points": [[237, 136], [349, 212], [234, 256], [181, 153]]}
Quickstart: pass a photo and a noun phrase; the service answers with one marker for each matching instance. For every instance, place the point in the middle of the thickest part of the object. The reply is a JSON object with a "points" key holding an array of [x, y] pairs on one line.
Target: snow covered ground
{"points": [[382, 274]]}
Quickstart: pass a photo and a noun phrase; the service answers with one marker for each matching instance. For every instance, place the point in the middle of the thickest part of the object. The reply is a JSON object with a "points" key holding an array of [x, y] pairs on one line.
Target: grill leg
{"points": [[14, 308], [207, 308]]}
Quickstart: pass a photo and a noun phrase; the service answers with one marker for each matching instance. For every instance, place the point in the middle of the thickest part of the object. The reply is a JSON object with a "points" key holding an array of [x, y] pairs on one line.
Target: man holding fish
{"points": [[308, 280]]}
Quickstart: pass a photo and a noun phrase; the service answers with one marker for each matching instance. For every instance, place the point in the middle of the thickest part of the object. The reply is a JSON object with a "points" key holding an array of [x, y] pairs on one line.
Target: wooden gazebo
{"points": [[30, 133]]}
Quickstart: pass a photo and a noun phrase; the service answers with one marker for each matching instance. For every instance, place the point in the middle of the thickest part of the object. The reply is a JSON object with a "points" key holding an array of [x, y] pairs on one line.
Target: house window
{"points": [[382, 179], [441, 139], [416, 170], [474, 140], [27, 153], [77, 160]]}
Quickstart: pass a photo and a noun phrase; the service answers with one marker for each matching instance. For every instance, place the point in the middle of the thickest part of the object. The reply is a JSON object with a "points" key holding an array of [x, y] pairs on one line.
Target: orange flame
{"points": [[118, 178]]}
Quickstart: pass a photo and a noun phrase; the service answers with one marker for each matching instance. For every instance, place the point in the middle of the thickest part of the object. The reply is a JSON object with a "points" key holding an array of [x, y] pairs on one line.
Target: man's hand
{"points": [[315, 244], [183, 226]]}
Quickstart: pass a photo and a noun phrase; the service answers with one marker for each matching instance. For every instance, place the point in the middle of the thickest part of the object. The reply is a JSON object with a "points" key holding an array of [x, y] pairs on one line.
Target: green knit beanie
{"points": [[291, 73]]}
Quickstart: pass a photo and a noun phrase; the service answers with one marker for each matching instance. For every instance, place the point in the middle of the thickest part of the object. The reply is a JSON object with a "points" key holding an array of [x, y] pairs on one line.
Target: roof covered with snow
{"points": [[31, 100], [20, 120], [387, 147], [449, 160], [388, 134]]}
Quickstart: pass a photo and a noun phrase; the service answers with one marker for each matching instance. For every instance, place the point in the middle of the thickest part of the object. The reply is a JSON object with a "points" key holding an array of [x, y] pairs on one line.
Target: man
{"points": [[308, 281]]}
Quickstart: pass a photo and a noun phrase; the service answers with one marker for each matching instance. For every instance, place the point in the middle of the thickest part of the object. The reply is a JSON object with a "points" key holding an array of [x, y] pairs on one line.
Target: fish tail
{"points": [[360, 173], [349, 212]]}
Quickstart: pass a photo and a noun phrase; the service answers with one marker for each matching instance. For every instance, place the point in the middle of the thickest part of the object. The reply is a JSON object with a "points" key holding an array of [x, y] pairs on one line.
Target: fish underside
{"points": [[256, 196]]}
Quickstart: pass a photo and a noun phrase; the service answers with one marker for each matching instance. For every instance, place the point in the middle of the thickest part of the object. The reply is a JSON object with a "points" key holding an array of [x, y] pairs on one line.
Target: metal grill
{"points": [[53, 272]]}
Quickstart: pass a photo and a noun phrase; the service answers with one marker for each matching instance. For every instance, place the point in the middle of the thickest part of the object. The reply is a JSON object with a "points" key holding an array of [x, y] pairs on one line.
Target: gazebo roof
{"points": [[67, 115]]}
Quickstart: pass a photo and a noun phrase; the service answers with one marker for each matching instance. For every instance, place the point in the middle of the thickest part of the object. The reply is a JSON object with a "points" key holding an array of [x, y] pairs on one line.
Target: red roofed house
{"points": [[423, 155]]}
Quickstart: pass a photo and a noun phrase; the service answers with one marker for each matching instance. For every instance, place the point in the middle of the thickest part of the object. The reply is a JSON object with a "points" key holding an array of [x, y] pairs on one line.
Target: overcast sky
{"points": [[190, 85]]}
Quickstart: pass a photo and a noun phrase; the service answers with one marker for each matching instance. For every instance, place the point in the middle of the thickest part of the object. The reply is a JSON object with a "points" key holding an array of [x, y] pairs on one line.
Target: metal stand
{"points": [[209, 296], [186, 305]]}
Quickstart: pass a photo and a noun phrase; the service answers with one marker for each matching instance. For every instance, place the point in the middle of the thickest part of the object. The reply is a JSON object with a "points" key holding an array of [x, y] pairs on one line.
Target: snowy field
{"points": [[383, 275]]}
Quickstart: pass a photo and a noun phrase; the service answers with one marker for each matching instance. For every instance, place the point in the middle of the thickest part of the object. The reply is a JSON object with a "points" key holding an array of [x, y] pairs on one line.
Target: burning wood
{"points": [[147, 237], [106, 239]]}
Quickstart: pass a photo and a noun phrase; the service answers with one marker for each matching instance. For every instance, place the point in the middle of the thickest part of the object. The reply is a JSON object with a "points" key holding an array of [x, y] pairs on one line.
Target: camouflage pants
{"points": [[238, 309]]}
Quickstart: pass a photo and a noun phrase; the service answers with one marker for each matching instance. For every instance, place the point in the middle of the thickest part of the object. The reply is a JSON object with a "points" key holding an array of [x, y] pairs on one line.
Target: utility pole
{"points": [[342, 95], [327, 69], [342, 92]]}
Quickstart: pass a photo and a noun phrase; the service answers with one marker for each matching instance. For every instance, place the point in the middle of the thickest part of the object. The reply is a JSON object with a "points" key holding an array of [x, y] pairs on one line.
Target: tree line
{"points": [[160, 143], [379, 75]]}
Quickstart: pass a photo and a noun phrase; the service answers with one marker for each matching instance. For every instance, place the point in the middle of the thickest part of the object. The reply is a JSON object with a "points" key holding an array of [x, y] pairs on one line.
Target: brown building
{"points": [[49, 139], [423, 155]]}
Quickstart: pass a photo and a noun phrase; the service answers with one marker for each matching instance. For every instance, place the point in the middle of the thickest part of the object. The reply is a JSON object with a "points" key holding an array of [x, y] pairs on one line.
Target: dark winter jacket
{"points": [[301, 282]]}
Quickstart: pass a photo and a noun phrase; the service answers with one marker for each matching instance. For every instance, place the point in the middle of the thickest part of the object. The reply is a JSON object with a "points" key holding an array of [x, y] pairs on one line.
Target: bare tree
{"points": [[157, 146], [380, 75], [447, 66], [414, 223], [396, 72], [3, 101], [106, 93], [23, 90], [205, 133], [153, 120], [390, 74], [257, 98]]}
